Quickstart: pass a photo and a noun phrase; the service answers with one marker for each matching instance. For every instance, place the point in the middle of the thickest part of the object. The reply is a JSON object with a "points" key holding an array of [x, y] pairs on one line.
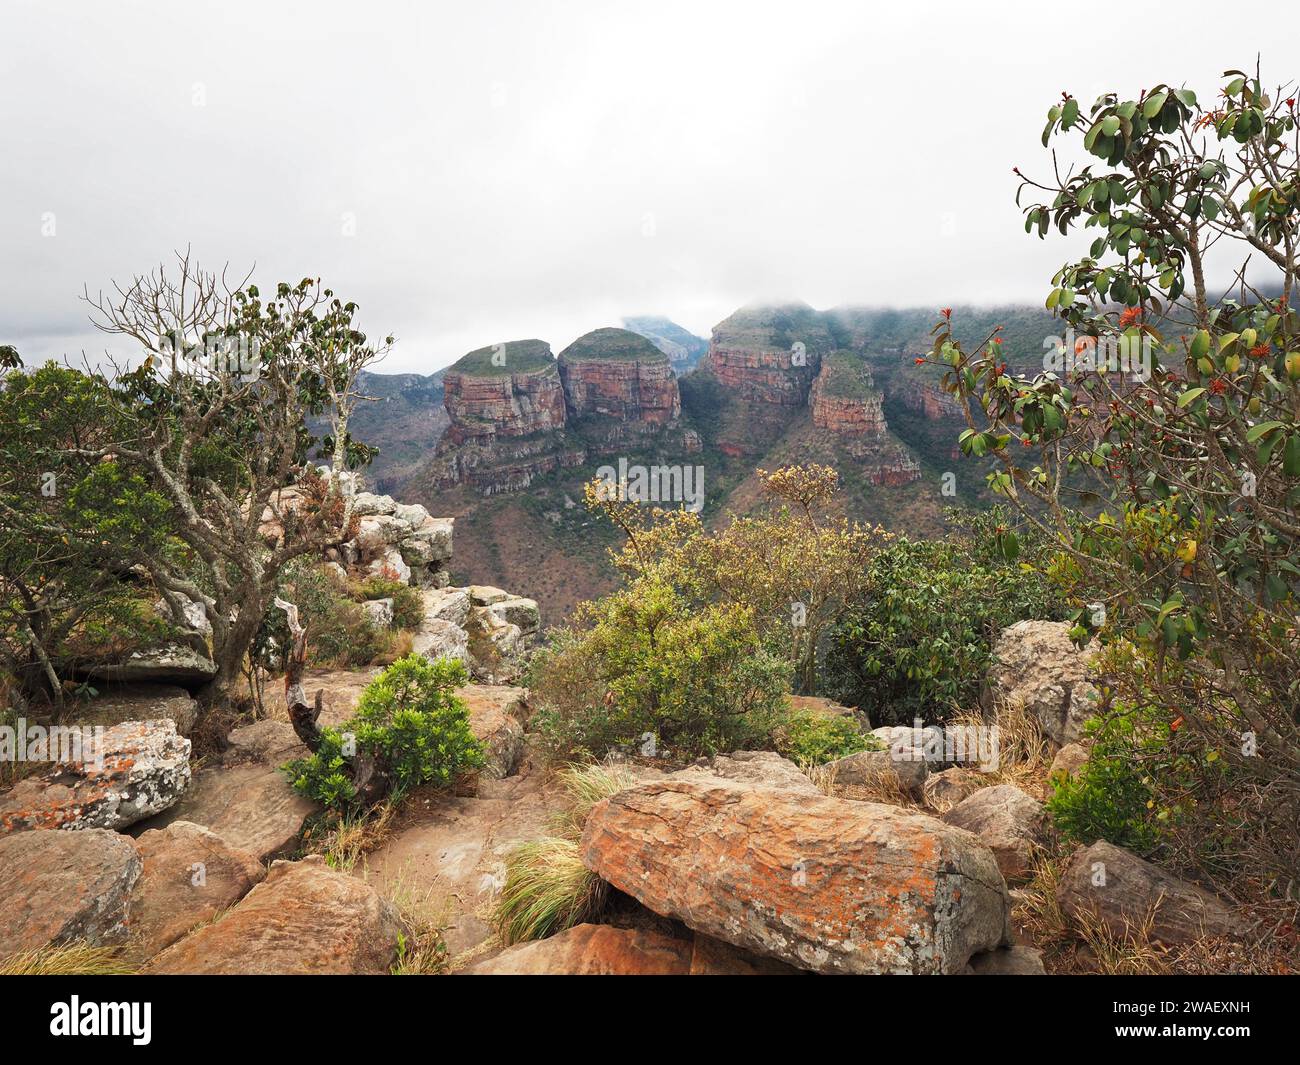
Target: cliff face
{"points": [[769, 355], [925, 398], [843, 399], [508, 390], [616, 374]]}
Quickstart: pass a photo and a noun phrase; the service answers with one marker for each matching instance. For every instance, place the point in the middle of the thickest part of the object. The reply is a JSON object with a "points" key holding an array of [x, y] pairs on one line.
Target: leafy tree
{"points": [[1173, 493]]}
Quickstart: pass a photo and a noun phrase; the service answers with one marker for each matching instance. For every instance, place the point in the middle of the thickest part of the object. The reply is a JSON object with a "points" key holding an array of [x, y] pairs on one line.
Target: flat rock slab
{"points": [[252, 807], [59, 887], [140, 702], [190, 875], [764, 768], [592, 950], [824, 884], [454, 853], [1127, 893], [303, 919], [129, 772]]}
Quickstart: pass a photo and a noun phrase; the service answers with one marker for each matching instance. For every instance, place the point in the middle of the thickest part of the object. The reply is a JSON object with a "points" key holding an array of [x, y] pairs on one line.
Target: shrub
{"points": [[919, 643], [647, 669], [408, 604], [807, 738], [338, 631], [410, 722]]}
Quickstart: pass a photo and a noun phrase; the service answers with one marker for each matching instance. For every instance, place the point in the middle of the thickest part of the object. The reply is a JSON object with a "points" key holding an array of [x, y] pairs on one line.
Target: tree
{"points": [[215, 416], [1161, 450]]}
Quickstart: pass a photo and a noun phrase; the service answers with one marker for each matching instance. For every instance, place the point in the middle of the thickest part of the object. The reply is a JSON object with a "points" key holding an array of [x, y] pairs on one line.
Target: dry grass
{"points": [[547, 890], [424, 951], [76, 959], [345, 841], [887, 789], [585, 786], [1023, 755], [399, 645], [822, 776]]}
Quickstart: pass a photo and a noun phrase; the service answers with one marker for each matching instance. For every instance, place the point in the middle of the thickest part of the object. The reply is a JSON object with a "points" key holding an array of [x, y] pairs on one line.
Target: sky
{"points": [[470, 173]]}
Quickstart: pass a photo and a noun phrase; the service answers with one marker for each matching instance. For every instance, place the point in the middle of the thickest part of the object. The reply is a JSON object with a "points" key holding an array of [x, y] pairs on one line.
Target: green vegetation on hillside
{"points": [[502, 360], [846, 376], [614, 345]]}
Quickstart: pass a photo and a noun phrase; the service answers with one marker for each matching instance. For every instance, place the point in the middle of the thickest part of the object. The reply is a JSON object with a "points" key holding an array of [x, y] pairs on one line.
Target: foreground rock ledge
{"points": [[825, 884]]}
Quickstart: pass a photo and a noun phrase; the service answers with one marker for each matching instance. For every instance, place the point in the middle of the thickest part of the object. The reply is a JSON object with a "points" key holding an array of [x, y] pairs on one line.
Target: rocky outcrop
{"points": [[189, 876], [1011, 823], [115, 778], [844, 400], [169, 664], [823, 884], [926, 398], [140, 702], [64, 887], [1132, 897], [510, 389], [1036, 664], [613, 374], [303, 919], [769, 354]]}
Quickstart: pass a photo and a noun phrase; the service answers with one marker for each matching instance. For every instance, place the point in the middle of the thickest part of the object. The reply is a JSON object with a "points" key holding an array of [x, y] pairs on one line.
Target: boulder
{"points": [[516, 610], [389, 565], [378, 532], [823, 884], [945, 789], [367, 503], [763, 768], [497, 715], [592, 950], [447, 604], [713, 957], [118, 777], [303, 919], [61, 887], [169, 664], [1068, 761], [252, 807], [189, 876], [441, 639], [1036, 664], [879, 769], [1013, 824], [486, 595], [379, 612], [412, 515], [141, 702], [1009, 961], [196, 617], [436, 533], [1126, 894]]}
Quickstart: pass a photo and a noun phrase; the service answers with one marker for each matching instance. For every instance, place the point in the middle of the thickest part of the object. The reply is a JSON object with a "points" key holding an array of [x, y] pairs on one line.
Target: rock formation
{"points": [[845, 400], [510, 389], [769, 354], [613, 374]]}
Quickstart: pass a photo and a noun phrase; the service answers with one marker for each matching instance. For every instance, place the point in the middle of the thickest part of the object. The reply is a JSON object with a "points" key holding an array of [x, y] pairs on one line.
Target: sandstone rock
{"points": [[511, 391], [763, 768], [945, 789], [823, 884], [189, 876], [366, 504], [169, 664], [441, 639], [516, 610], [713, 957], [1035, 663], [592, 950], [389, 565], [252, 807], [141, 702], [412, 515], [616, 374], [1068, 761], [844, 400], [378, 532], [132, 771], [447, 604], [379, 612], [1125, 892], [1009, 961], [486, 595], [269, 742], [304, 918], [1012, 823], [769, 355], [879, 769], [435, 535], [61, 887], [497, 715]]}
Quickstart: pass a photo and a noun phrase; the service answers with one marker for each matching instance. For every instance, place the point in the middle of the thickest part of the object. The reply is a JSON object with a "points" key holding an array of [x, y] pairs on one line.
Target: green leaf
{"points": [[1190, 396], [1151, 107]]}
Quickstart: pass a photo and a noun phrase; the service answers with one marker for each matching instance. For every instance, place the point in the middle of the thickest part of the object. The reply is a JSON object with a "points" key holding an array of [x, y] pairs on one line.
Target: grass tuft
{"points": [[547, 890], [76, 959]]}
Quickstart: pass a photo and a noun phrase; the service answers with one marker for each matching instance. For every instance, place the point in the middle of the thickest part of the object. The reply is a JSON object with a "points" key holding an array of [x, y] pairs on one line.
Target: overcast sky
{"points": [[476, 172]]}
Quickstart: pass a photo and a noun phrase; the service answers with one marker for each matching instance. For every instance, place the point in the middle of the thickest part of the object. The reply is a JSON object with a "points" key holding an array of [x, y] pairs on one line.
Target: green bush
{"points": [[411, 723], [408, 604], [338, 631], [806, 737], [920, 644], [642, 666]]}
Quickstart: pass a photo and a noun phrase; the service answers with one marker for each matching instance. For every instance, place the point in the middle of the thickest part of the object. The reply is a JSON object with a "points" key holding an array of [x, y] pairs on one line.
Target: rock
{"points": [[196, 617], [441, 639], [592, 950], [763, 768], [169, 664], [303, 919], [820, 883], [189, 876], [1012, 823], [365, 504], [486, 595], [336, 573], [389, 565], [379, 612], [269, 742], [844, 400], [436, 535], [769, 355], [876, 769], [1009, 961], [61, 887], [945, 789], [909, 744], [617, 375], [1124, 892], [412, 515], [1068, 761], [518, 394], [497, 715], [141, 702], [252, 807], [447, 604], [378, 532], [1036, 664], [713, 957], [518, 611], [128, 773]]}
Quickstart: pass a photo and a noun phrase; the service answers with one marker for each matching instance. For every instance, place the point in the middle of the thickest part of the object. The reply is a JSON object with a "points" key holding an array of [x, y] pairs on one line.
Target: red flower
{"points": [[920, 359], [997, 340], [1218, 386], [1130, 316], [1290, 101], [946, 312], [1260, 351]]}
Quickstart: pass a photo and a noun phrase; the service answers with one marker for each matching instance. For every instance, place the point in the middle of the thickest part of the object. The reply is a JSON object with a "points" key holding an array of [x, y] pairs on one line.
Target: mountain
{"points": [[683, 348], [404, 417]]}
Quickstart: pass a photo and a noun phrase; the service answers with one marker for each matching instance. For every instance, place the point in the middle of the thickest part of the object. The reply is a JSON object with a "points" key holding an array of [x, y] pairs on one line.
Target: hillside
{"points": [[683, 348]]}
